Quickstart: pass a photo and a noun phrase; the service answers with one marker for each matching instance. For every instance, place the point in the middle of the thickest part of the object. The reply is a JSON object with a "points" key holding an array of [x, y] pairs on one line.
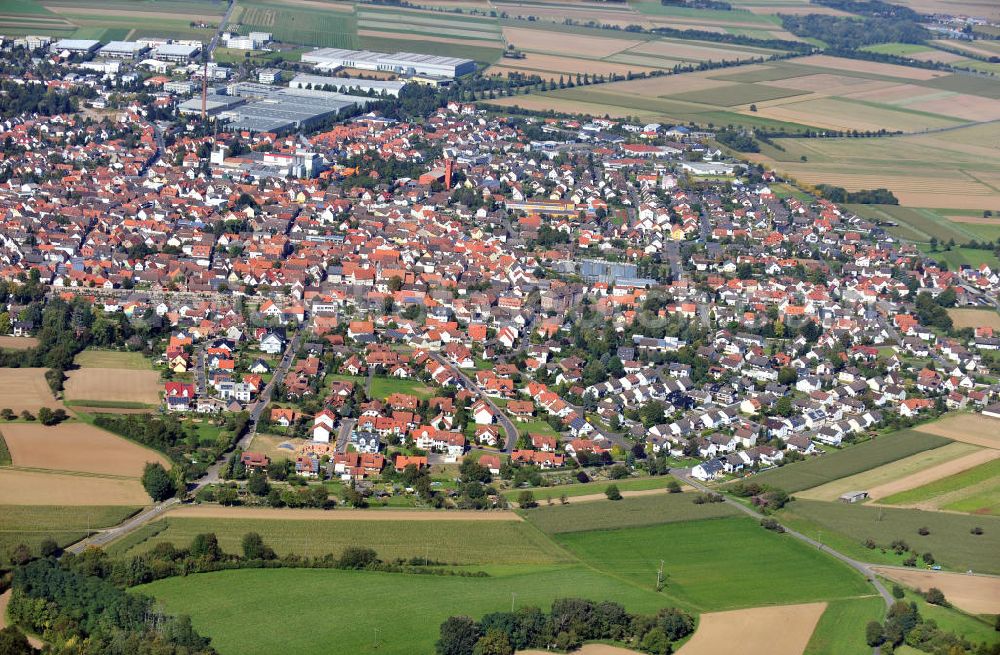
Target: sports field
{"points": [[417, 604], [845, 527], [707, 563], [850, 461]]}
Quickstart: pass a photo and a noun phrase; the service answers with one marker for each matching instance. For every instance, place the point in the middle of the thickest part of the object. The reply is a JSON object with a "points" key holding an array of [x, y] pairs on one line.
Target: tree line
{"points": [[569, 623]]}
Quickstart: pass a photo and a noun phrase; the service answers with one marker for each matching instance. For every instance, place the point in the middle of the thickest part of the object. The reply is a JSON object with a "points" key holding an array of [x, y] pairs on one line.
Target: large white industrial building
{"points": [[346, 84], [406, 63]]}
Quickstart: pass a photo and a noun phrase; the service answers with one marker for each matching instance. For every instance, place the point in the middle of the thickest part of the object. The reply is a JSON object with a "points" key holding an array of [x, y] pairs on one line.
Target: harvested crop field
{"points": [[564, 65], [976, 594], [219, 512], [25, 389], [899, 471], [974, 318], [967, 428], [402, 36], [569, 106], [17, 343], [862, 66], [782, 630], [687, 50], [565, 43], [113, 385], [42, 488], [845, 114], [76, 447]]}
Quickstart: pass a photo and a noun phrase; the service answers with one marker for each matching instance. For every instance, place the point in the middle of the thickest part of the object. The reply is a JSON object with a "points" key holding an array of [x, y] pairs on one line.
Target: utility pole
{"points": [[376, 638], [513, 595], [659, 577]]}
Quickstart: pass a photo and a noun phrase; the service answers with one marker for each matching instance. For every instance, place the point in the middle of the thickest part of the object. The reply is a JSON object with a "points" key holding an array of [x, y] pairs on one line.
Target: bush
{"points": [[935, 596], [897, 592], [976, 530], [618, 472], [873, 634], [526, 500], [923, 531], [674, 487], [356, 557], [771, 524], [612, 492]]}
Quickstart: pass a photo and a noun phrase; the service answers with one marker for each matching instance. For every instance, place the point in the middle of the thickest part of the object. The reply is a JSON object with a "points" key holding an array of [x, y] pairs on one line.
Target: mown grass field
{"points": [[112, 359], [947, 487], [841, 629], [845, 527], [577, 489], [382, 387], [452, 542], [310, 610], [30, 524], [849, 461], [628, 512], [718, 564]]}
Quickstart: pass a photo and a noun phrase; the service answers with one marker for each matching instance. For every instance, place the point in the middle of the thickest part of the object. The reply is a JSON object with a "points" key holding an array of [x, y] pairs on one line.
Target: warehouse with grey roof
{"points": [[404, 63]]}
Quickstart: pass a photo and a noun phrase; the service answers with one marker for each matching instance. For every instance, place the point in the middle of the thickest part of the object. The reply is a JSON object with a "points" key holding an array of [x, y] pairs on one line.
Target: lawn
{"points": [[382, 387], [537, 426], [454, 542], [845, 527], [112, 359], [948, 485], [625, 513], [30, 524], [718, 564], [849, 461], [307, 611], [841, 629]]}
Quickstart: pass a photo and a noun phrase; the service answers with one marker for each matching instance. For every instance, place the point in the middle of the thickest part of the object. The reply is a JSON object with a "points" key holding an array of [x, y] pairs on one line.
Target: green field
{"points": [[625, 513], [923, 224], [296, 24], [845, 527], [382, 387], [317, 608], [453, 542], [718, 564], [598, 487], [899, 49], [30, 524], [984, 501], [112, 359], [988, 472], [841, 629], [852, 459]]}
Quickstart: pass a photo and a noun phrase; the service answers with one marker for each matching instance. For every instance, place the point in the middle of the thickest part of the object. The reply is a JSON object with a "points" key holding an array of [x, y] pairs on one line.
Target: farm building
{"points": [[853, 496], [382, 87], [400, 62]]}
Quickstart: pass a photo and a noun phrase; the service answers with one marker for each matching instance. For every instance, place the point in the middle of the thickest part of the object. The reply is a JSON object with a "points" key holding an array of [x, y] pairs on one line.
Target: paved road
{"points": [[104, 537], [199, 371], [864, 569], [222, 26], [505, 423], [344, 434]]}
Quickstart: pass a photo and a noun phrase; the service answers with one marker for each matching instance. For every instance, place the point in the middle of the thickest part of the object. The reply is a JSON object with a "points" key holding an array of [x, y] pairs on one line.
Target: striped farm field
{"points": [[967, 428], [904, 470], [952, 489]]}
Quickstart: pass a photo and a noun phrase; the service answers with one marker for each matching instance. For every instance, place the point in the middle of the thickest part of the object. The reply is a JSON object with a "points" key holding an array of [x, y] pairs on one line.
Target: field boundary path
{"points": [[863, 568]]}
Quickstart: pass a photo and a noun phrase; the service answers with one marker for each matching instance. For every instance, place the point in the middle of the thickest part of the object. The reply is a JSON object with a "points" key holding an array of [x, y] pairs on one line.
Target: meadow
{"points": [[453, 542], [707, 563], [594, 487], [32, 524], [406, 609], [628, 512], [131, 361], [382, 387], [845, 527], [841, 629], [849, 461]]}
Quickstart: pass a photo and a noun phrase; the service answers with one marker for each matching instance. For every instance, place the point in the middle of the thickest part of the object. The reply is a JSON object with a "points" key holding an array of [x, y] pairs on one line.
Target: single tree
{"points": [[612, 492], [157, 482], [526, 500], [874, 635]]}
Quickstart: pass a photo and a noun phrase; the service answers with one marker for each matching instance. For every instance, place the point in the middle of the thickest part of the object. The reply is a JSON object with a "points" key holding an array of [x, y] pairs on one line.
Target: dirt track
{"points": [[933, 474], [219, 512], [976, 594], [782, 630]]}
